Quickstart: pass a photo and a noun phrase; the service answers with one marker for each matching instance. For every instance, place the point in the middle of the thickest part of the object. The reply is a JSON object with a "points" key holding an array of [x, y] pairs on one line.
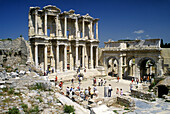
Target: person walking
{"points": [[117, 91], [121, 92], [109, 90]]}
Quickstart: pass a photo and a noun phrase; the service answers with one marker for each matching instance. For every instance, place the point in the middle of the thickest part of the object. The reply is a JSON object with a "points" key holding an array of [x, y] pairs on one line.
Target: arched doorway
{"points": [[112, 66], [147, 68]]}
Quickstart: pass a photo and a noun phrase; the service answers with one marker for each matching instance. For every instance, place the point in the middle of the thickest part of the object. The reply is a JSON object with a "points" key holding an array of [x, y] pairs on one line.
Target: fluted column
{"points": [[45, 23], [36, 55], [91, 30], [56, 21], [120, 67], [76, 56], [83, 29], [65, 58], [91, 56], [57, 58], [83, 57], [97, 37], [76, 24], [36, 14], [45, 57], [97, 56], [65, 27]]}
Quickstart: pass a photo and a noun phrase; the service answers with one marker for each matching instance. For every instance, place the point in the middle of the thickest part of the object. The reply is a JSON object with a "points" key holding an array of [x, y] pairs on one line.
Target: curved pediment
{"points": [[52, 8]]}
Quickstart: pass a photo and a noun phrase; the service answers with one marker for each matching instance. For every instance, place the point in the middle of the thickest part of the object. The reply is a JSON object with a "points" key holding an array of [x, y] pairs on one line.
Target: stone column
{"points": [[65, 58], [57, 58], [83, 29], [91, 56], [71, 60], [120, 66], [83, 57], [56, 21], [97, 30], [76, 25], [76, 61], [36, 28], [36, 55], [97, 56], [45, 57], [91, 30], [45, 23], [65, 27]]}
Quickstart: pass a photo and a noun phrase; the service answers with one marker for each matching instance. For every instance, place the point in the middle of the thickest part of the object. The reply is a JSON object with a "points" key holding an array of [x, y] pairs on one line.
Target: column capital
{"points": [[36, 44]]}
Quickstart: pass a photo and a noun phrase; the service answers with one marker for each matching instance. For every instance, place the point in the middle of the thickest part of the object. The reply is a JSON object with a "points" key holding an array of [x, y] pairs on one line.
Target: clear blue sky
{"points": [[119, 19]]}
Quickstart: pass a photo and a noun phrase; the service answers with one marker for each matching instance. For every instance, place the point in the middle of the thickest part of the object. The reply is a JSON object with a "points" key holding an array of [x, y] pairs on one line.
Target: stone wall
{"points": [[143, 95], [165, 54], [125, 101]]}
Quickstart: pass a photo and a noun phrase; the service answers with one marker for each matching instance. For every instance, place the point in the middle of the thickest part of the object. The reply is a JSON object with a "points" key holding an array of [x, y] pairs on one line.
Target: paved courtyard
{"points": [[122, 84]]}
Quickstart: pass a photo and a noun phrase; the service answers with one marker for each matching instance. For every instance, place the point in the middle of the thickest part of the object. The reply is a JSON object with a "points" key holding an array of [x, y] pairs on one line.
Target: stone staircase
{"points": [[68, 75]]}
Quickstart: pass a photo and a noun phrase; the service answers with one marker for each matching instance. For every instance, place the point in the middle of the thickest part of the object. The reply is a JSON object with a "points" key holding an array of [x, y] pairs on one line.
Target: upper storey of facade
{"points": [[51, 23], [148, 44]]}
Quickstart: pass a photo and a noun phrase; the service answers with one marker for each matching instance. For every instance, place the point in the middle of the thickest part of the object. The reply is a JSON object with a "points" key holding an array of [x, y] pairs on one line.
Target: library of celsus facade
{"points": [[63, 40], [135, 58]]}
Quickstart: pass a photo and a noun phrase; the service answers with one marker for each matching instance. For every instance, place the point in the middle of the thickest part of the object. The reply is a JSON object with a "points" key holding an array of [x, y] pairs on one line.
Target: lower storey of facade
{"points": [[63, 55]]}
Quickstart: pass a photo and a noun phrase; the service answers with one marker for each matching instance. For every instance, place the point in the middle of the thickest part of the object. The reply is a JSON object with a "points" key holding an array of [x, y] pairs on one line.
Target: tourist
{"points": [[79, 80], [117, 78], [72, 80], [61, 84], [89, 89], [132, 80], [95, 88], [109, 90], [92, 93], [56, 80], [85, 69], [67, 91], [131, 86], [104, 81], [99, 80], [78, 88], [148, 79], [101, 83], [73, 91], [81, 94], [121, 92], [86, 94], [79, 69], [141, 79], [52, 70], [117, 91], [137, 80]]}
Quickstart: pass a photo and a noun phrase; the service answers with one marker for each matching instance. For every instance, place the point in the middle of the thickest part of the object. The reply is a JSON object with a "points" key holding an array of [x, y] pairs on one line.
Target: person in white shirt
{"points": [[109, 90], [99, 81]]}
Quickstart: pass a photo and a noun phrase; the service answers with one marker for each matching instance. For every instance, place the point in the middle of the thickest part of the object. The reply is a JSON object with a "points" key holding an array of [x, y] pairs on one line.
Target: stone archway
{"points": [[112, 65], [147, 67]]}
